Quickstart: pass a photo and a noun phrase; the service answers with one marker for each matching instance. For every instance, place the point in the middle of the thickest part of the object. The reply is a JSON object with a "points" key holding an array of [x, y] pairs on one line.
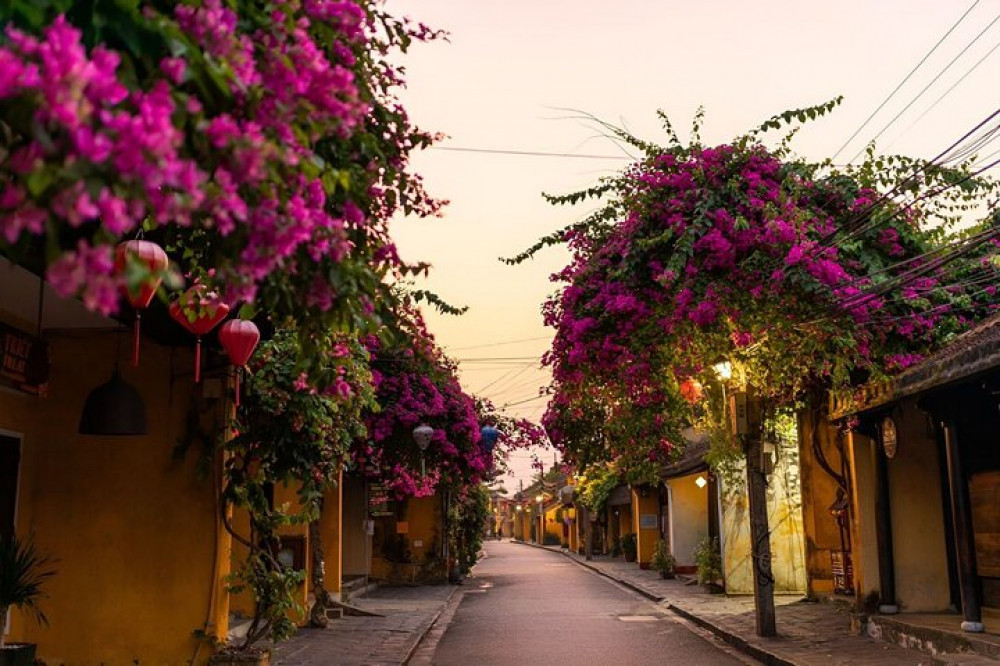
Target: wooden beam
{"points": [[760, 535], [883, 529], [965, 547]]}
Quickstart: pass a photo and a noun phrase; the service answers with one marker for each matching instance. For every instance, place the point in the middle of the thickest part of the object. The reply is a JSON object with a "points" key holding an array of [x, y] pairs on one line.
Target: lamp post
{"points": [[746, 425]]}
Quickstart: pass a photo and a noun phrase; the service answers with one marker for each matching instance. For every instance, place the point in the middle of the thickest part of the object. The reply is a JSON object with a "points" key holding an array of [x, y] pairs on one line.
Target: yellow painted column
{"points": [[331, 530], [645, 517], [219, 606]]}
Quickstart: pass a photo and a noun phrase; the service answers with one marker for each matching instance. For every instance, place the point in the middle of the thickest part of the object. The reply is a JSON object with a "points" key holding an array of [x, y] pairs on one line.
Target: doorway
{"points": [[10, 465]]}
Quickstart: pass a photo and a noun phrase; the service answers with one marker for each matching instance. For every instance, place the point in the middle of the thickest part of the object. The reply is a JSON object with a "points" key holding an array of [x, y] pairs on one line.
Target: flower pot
{"points": [[713, 588], [667, 575], [17, 654], [229, 658]]}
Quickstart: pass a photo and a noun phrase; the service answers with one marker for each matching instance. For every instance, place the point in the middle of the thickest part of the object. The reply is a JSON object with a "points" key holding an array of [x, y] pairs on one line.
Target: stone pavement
{"points": [[811, 634], [408, 614]]}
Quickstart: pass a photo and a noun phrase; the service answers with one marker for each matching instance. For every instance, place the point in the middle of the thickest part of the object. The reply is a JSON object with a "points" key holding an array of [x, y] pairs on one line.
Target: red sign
{"points": [[24, 363]]}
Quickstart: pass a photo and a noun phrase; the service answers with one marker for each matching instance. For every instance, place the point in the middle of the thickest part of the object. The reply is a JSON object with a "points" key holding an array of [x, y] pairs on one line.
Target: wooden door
{"points": [[10, 462]]}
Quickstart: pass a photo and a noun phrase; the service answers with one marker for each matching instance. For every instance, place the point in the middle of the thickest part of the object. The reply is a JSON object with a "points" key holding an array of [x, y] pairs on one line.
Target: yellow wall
{"points": [[646, 538], [242, 605], [864, 537], [915, 500], [133, 530], [819, 491], [688, 517], [784, 515], [422, 521], [574, 533], [553, 526]]}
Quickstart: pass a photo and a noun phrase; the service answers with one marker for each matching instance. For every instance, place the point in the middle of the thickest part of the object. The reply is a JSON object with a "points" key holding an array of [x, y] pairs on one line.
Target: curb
{"points": [[430, 625], [736, 641]]}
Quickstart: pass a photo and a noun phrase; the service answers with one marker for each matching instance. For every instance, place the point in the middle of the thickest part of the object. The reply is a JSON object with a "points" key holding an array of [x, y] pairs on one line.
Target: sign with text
{"points": [[24, 361], [379, 503]]}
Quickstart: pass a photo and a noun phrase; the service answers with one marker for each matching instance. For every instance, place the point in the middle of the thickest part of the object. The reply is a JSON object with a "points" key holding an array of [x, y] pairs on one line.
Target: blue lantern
{"points": [[488, 438]]}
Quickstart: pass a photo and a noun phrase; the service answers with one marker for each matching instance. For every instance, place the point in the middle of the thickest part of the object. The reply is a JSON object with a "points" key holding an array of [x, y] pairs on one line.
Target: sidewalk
{"points": [[355, 641], [811, 634]]}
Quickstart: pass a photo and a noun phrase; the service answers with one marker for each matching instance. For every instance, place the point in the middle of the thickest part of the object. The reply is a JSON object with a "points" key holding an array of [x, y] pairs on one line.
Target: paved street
{"points": [[531, 606]]}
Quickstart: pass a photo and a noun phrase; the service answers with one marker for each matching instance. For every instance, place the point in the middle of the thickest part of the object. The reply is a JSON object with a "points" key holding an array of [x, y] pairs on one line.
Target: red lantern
{"points": [[140, 296], [691, 390], [199, 311], [239, 337]]}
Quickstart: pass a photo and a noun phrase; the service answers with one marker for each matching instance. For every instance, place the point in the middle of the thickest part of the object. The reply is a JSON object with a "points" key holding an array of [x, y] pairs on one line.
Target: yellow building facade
{"points": [[140, 549]]}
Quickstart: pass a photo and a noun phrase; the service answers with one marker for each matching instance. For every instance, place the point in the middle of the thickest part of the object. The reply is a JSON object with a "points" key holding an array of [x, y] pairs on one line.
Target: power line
{"points": [[525, 401], [946, 155], [903, 82], [927, 87], [498, 344], [946, 93], [495, 359], [529, 153]]}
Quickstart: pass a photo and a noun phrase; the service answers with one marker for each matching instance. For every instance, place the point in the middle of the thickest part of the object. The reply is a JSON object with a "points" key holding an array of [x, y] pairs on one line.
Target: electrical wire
{"points": [[525, 401], [945, 94], [530, 153], [905, 79], [928, 86], [874, 223], [498, 344], [493, 359]]}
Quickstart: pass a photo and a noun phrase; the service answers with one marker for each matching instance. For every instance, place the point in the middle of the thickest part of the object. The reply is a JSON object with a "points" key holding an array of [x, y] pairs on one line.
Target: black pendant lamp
{"points": [[114, 408]]}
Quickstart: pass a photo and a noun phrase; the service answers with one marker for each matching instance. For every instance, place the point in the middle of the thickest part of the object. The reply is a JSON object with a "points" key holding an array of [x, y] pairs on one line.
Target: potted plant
{"points": [[709, 562], [662, 560], [23, 571], [630, 548]]}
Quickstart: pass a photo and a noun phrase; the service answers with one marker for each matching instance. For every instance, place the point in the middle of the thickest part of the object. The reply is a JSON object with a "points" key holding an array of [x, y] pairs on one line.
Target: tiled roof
{"points": [[974, 352]]}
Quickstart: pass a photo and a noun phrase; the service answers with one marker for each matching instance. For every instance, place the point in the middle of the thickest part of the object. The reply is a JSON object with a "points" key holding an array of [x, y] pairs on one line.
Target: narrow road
{"points": [[530, 607]]}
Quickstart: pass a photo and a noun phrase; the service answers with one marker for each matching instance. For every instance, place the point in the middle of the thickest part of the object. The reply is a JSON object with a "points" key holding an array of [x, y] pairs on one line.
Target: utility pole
{"points": [[748, 422]]}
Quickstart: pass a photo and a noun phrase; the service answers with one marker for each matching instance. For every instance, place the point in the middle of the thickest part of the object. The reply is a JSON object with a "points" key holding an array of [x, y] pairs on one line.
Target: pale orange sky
{"points": [[511, 67]]}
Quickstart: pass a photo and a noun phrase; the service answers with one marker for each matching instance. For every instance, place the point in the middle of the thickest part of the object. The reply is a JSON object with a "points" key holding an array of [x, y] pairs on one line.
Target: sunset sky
{"points": [[521, 75]]}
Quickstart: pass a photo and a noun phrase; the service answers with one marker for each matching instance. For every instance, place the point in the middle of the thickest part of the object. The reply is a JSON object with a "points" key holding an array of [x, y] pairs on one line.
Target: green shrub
{"points": [[709, 560], [630, 547], [662, 560]]}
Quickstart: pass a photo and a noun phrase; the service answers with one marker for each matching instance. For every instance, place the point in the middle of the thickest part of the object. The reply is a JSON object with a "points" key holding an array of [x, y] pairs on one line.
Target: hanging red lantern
{"points": [[691, 390], [199, 311], [140, 296], [239, 337]]}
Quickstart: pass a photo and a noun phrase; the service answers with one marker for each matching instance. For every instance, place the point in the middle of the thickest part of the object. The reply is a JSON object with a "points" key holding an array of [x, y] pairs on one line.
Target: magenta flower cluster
{"points": [[416, 385], [728, 252], [108, 153]]}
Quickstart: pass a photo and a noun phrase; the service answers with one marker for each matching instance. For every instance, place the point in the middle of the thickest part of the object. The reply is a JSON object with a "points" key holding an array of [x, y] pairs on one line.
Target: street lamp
{"points": [[724, 370], [422, 436]]}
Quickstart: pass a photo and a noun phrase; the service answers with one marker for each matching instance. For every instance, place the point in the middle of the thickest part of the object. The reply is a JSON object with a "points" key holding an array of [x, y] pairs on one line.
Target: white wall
{"points": [[688, 517]]}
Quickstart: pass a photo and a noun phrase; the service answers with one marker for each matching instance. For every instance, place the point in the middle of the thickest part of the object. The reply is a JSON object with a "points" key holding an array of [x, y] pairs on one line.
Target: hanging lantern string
{"points": [[136, 337]]}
